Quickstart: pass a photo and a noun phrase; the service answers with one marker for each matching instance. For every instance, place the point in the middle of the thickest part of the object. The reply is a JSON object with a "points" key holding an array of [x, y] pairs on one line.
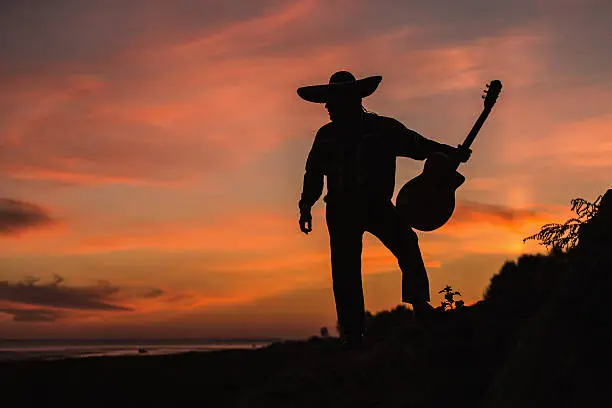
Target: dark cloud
{"points": [[31, 32], [582, 40], [155, 293], [74, 30], [33, 315], [16, 216], [470, 210], [449, 20], [55, 294], [91, 31]]}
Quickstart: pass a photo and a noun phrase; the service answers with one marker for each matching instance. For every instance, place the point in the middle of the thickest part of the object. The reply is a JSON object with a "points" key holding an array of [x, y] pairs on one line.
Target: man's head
{"points": [[342, 96], [344, 109], [343, 104]]}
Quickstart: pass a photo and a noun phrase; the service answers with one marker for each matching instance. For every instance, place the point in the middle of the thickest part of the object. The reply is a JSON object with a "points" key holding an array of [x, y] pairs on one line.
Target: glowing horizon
{"points": [[155, 153]]}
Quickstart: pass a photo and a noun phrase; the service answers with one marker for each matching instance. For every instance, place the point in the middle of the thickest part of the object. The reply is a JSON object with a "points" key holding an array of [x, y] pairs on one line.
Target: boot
{"points": [[425, 312], [353, 342]]}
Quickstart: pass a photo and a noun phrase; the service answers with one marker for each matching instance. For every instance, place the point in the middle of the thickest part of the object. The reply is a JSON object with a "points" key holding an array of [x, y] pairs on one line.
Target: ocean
{"points": [[11, 350]]}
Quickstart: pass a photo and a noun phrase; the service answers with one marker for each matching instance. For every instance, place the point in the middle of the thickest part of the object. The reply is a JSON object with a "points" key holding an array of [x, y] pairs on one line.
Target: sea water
{"points": [[60, 349]]}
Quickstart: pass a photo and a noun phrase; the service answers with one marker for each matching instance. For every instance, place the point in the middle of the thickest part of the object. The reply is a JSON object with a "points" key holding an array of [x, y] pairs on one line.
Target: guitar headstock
{"points": [[491, 93]]}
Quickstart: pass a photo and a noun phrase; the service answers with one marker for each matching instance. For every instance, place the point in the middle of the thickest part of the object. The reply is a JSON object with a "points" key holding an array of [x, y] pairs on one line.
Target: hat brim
{"points": [[322, 93]]}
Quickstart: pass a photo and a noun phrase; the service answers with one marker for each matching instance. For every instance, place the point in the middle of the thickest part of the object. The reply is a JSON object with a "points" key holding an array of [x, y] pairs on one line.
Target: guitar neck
{"points": [[475, 129], [492, 92]]}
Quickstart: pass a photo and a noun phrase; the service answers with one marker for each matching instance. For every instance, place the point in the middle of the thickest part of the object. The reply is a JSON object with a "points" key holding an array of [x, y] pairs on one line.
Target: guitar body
{"points": [[428, 201]]}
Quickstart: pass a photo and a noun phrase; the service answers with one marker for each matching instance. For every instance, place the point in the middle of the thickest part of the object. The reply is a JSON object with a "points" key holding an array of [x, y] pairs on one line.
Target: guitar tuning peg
{"points": [[487, 85], [482, 96]]}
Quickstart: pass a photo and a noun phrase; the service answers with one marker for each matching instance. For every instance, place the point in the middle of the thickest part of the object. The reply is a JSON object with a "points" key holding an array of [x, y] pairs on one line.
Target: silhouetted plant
{"points": [[565, 236], [324, 332], [449, 298]]}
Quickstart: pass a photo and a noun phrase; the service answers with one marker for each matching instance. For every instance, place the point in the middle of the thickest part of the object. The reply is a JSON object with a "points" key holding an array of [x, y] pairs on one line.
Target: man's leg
{"points": [[346, 244], [385, 223]]}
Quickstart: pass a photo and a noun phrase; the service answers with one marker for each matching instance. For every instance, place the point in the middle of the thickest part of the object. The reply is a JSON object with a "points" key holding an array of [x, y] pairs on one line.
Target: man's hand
{"points": [[463, 154], [305, 221]]}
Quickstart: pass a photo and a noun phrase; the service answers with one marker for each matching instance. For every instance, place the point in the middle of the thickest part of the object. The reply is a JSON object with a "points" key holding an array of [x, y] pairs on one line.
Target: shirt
{"points": [[359, 159]]}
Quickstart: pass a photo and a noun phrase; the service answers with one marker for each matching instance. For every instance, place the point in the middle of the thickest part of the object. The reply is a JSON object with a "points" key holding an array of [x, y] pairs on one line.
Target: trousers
{"points": [[346, 224]]}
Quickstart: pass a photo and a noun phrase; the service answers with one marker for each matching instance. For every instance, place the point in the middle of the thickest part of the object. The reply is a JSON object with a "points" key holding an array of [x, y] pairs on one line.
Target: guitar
{"points": [[428, 201]]}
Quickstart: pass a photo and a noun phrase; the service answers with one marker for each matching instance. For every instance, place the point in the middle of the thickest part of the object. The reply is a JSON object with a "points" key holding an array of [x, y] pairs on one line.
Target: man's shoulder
{"points": [[325, 131], [386, 122], [327, 127]]}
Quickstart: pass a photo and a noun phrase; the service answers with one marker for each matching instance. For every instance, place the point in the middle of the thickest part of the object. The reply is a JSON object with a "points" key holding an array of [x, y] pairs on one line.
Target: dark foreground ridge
{"points": [[537, 339]]}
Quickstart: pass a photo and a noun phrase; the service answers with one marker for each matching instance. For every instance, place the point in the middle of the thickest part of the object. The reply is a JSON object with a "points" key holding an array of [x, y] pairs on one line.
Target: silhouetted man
{"points": [[357, 152]]}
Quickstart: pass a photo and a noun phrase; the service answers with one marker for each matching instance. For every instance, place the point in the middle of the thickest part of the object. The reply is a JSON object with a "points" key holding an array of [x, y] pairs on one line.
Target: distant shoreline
{"points": [[58, 349], [141, 340]]}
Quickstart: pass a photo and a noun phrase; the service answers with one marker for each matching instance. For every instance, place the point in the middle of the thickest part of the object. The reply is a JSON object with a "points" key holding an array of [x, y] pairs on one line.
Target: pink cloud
{"points": [[583, 143], [181, 111]]}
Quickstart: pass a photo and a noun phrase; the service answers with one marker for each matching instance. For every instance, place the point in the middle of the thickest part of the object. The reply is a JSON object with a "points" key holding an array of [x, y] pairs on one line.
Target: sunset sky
{"points": [[152, 152]]}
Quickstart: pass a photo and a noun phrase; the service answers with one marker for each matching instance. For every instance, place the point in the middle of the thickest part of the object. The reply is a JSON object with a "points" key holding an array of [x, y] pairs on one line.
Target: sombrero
{"points": [[342, 83]]}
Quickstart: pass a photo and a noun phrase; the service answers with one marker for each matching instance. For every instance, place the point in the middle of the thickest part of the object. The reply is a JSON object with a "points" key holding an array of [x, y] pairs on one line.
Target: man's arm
{"points": [[412, 144], [313, 183]]}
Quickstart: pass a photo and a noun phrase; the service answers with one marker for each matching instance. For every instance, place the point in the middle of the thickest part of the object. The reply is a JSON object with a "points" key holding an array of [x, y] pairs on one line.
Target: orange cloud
{"points": [[469, 212], [490, 229]]}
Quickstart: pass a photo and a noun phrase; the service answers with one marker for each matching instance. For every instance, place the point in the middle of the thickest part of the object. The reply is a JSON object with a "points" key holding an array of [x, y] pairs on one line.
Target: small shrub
{"points": [[565, 236], [449, 301]]}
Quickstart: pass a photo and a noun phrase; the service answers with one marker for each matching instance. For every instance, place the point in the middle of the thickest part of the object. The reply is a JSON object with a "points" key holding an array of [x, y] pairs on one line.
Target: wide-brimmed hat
{"points": [[342, 83]]}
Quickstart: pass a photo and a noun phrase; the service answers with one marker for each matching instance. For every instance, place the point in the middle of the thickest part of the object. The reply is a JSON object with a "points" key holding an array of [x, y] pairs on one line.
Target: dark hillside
{"points": [[538, 338], [560, 358]]}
